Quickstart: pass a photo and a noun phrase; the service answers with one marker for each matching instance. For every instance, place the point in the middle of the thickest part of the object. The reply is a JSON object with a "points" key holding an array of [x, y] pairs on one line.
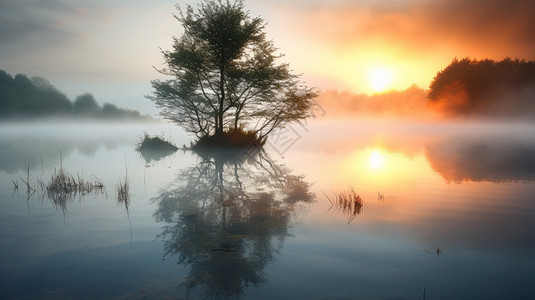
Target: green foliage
{"points": [[22, 96], [485, 87], [234, 138], [86, 105], [155, 143], [51, 100], [154, 148], [225, 75]]}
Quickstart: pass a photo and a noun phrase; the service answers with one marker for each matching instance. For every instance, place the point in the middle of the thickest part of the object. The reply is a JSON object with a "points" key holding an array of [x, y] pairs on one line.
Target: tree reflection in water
{"points": [[227, 217]]}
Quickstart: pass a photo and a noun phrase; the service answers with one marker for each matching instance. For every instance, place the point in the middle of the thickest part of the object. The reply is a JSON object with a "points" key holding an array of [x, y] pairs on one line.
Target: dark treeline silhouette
{"points": [[26, 98], [486, 88]]}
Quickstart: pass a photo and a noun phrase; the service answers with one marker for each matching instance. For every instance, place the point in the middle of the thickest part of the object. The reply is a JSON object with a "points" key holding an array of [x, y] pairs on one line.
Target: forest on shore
{"points": [[466, 88], [24, 98], [485, 88]]}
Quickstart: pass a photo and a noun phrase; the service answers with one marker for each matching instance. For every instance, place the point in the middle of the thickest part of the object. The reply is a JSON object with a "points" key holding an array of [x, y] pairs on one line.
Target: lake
{"points": [[330, 210]]}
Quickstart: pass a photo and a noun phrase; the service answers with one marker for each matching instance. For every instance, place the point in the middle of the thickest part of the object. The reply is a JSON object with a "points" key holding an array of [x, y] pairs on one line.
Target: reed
{"points": [[122, 189], [64, 187], [15, 184], [380, 196], [122, 192], [348, 202], [29, 188]]}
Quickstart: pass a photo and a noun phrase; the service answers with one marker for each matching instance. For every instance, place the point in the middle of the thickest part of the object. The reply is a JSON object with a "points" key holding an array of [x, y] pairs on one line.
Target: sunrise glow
{"points": [[376, 160], [380, 79]]}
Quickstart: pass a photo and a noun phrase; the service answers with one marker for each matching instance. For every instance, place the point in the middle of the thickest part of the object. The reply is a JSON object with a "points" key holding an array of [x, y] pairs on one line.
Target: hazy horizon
{"points": [[109, 49], [415, 179]]}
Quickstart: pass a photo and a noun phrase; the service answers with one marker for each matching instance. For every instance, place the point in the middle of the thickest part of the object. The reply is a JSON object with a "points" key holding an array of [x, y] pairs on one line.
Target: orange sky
{"points": [[109, 48], [337, 45]]}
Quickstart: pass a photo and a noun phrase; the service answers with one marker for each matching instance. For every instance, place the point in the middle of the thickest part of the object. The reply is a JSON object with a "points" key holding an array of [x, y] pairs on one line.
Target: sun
{"points": [[380, 79]]}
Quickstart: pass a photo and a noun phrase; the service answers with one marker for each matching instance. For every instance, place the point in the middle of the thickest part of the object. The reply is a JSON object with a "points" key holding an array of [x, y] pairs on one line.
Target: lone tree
{"points": [[227, 86]]}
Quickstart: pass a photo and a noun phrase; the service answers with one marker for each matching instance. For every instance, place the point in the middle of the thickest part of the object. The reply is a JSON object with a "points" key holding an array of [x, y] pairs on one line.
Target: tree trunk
{"points": [[216, 124], [221, 100], [237, 116]]}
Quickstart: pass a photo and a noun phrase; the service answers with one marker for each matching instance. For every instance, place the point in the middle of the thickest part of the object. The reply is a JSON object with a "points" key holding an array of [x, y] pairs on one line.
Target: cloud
{"points": [[344, 40], [47, 38], [33, 25], [503, 27], [485, 27]]}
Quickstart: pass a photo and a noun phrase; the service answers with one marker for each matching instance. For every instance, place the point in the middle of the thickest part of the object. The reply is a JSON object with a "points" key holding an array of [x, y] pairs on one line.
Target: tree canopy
{"points": [[21, 95], [485, 87], [226, 76]]}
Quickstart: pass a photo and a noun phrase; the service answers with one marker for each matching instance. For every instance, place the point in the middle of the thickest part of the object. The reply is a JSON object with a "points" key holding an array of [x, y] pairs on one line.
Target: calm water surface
{"points": [[332, 210]]}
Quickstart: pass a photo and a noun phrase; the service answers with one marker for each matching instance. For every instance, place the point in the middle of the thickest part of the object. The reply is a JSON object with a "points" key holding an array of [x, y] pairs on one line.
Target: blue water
{"points": [[447, 213]]}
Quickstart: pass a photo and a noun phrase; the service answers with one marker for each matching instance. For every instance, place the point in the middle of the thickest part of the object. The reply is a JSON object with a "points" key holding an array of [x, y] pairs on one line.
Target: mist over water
{"points": [[415, 181], [441, 203], [40, 144]]}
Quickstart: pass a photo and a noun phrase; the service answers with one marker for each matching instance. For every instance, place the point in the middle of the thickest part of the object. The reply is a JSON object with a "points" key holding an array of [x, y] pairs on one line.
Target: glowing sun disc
{"points": [[380, 79]]}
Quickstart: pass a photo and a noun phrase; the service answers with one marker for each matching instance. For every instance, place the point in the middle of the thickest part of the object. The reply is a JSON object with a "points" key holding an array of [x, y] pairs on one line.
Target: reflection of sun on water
{"points": [[377, 170], [376, 159]]}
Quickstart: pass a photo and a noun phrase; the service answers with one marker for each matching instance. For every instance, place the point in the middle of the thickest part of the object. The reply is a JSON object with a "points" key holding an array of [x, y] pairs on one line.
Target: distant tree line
{"points": [[486, 87], [23, 97]]}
